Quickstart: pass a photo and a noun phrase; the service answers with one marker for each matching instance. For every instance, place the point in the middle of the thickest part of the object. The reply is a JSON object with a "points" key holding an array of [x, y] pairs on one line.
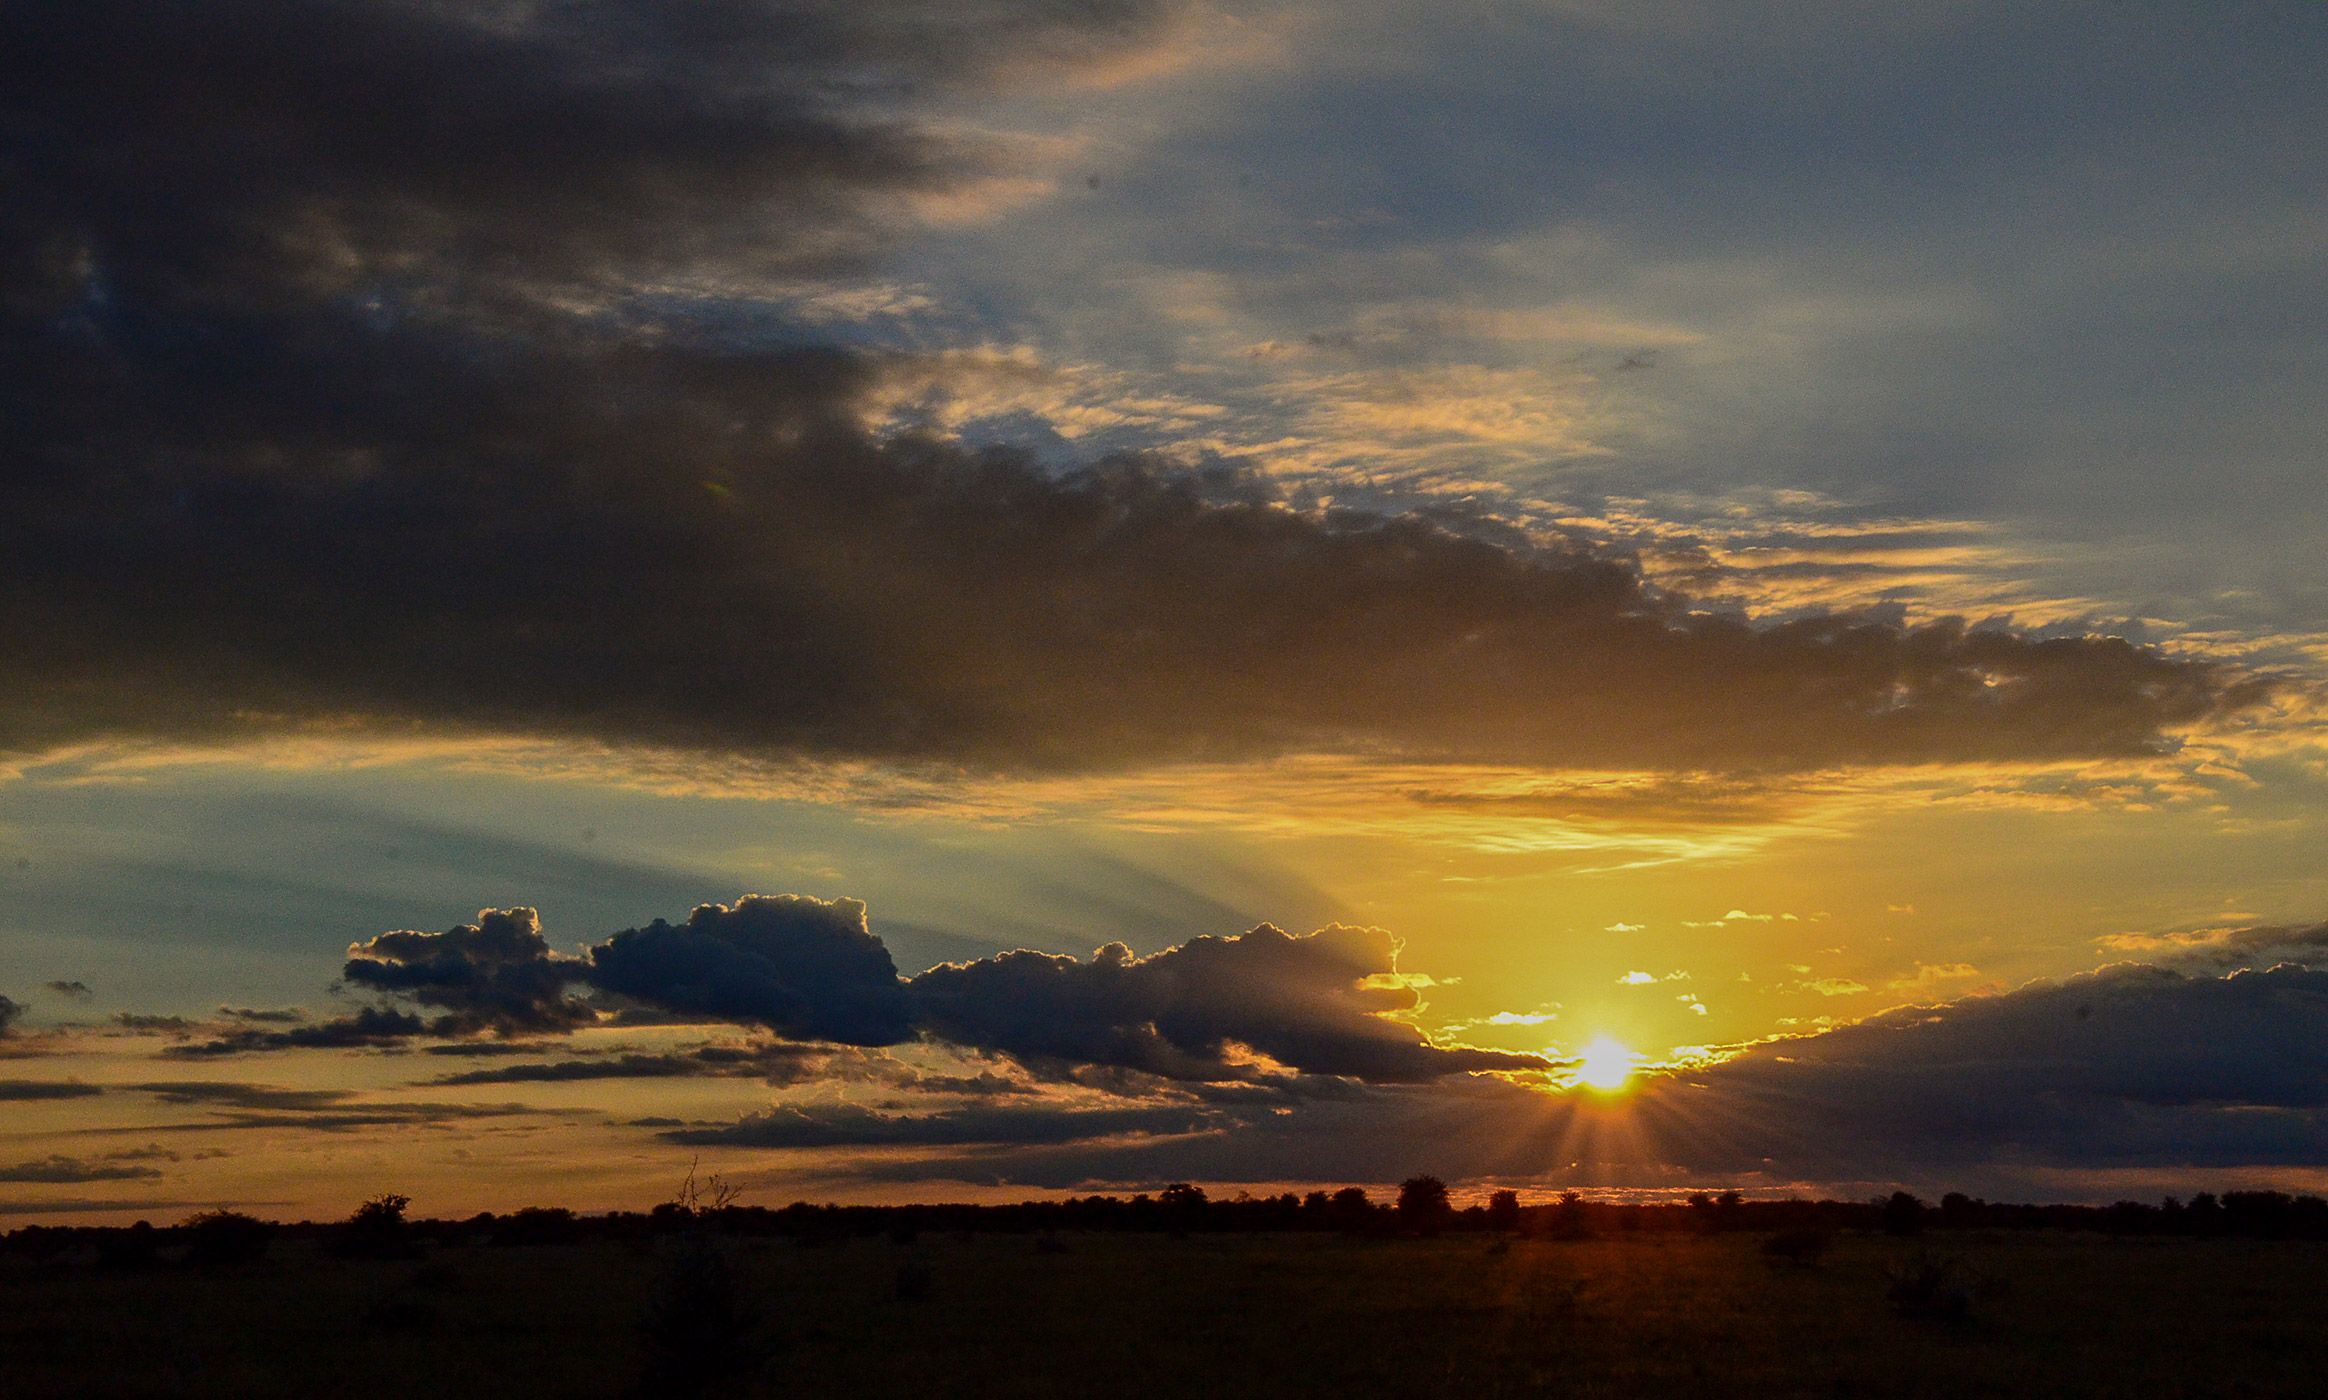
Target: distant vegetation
{"points": [[1422, 1205], [1181, 1294]]}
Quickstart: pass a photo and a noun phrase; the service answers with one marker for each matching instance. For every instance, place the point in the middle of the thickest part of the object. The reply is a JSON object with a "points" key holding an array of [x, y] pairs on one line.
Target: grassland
{"points": [[1471, 1316]]}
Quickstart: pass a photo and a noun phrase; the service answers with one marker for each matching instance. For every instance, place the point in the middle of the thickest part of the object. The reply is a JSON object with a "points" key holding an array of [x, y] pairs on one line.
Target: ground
{"points": [[2050, 1314]]}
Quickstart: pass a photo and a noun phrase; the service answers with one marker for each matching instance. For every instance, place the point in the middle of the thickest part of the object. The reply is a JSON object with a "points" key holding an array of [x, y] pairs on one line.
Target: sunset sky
{"points": [[968, 600]]}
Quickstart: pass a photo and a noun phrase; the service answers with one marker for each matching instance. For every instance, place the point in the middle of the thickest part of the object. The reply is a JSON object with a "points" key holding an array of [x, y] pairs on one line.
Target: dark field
{"points": [[2045, 1314]]}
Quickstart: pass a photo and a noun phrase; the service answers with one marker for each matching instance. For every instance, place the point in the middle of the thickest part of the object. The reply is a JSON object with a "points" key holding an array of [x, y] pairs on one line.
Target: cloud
{"points": [[1211, 1008], [423, 416], [71, 991], [812, 970], [369, 1027], [2220, 948], [41, 1090], [58, 1169], [10, 1011], [777, 1063], [2132, 1064], [497, 973], [277, 1016], [237, 1105], [851, 1125], [806, 968]]}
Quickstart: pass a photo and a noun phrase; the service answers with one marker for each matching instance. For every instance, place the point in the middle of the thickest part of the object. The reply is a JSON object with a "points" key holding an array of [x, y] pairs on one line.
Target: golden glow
{"points": [[1604, 1065]]}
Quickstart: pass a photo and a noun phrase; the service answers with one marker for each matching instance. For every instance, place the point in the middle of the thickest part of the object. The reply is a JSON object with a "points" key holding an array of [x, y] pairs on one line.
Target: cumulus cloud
{"points": [[1211, 1008], [497, 973], [806, 968], [811, 970], [352, 373]]}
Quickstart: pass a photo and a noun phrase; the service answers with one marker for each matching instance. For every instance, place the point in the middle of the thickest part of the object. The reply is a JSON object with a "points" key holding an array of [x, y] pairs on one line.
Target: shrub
{"points": [[697, 1329], [1801, 1248], [1937, 1287], [220, 1237]]}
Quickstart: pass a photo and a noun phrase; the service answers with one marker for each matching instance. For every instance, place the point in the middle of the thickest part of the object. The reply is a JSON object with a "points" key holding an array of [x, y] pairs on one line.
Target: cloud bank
{"points": [[1250, 1006], [360, 369]]}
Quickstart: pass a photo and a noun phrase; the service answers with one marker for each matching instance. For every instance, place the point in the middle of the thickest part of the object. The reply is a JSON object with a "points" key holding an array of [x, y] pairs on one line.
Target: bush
{"points": [[221, 1237], [697, 1329], [1801, 1248], [1937, 1287]]}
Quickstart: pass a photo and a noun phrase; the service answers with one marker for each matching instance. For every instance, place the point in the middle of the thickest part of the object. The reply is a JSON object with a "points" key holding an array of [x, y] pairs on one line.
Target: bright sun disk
{"points": [[1604, 1064]]}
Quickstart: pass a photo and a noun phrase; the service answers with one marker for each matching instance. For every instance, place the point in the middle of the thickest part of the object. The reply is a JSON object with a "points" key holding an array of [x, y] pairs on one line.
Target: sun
{"points": [[1604, 1064]]}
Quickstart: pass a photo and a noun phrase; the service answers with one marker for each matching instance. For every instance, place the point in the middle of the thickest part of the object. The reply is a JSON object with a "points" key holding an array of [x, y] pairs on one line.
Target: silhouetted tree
{"points": [[217, 1237], [1903, 1214], [1422, 1203], [1503, 1211], [376, 1230]]}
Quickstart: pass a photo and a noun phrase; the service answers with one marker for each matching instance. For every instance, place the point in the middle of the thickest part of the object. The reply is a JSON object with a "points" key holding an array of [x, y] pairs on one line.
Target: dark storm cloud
{"points": [[495, 974], [1316, 1004], [333, 395], [805, 968]]}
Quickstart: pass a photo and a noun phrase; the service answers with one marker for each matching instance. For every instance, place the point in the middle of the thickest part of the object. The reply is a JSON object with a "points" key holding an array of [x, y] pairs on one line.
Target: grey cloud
{"points": [[61, 1169], [237, 1105], [806, 968], [2132, 1064], [232, 1094], [371, 1026], [10, 1011], [812, 970], [41, 1090], [778, 1063], [2129, 1067], [71, 991], [852, 1125], [263, 1016], [497, 973], [1306, 1003], [296, 437]]}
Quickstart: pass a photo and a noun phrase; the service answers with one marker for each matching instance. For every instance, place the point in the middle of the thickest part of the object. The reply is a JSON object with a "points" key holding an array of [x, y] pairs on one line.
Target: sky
{"points": [[911, 601]]}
